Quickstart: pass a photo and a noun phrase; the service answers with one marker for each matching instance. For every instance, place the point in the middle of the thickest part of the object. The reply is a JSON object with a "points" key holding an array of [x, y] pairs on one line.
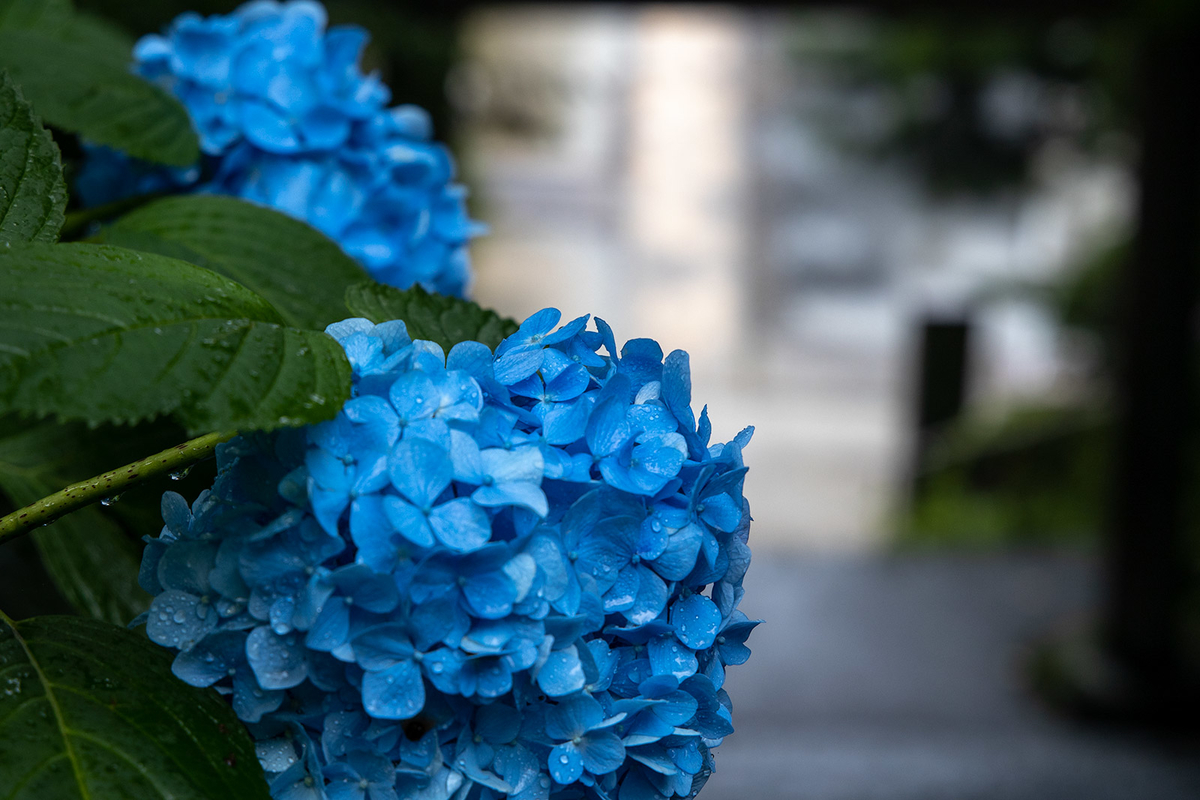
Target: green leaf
{"points": [[58, 19], [103, 39], [32, 192], [76, 82], [92, 556], [302, 272], [91, 711], [101, 334], [46, 14], [441, 319]]}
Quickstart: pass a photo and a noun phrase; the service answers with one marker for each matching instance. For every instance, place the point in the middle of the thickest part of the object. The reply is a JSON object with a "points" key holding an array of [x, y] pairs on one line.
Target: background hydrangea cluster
{"points": [[511, 574], [286, 118]]}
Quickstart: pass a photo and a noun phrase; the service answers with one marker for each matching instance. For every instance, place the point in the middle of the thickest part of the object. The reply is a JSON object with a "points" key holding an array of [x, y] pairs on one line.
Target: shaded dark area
{"points": [[1147, 569]]}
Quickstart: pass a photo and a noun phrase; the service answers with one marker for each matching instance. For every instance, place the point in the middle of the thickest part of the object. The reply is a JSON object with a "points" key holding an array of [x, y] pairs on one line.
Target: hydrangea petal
{"points": [[409, 521], [420, 470], [601, 752], [490, 595], [278, 661], [178, 619], [566, 764], [562, 673], [696, 620], [394, 693], [461, 525], [524, 495]]}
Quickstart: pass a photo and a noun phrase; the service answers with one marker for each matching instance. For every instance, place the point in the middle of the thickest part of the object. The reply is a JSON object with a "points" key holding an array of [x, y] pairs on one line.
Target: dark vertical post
{"points": [[943, 375], [941, 387], [1146, 573]]}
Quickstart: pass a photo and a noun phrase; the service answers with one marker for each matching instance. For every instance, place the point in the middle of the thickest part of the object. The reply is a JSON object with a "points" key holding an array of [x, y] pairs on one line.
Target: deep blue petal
{"points": [[490, 595], [679, 558], [562, 674], [497, 723], [278, 661], [565, 763], [573, 716], [696, 620], [178, 619], [669, 657], [210, 659], [601, 752], [394, 693]]}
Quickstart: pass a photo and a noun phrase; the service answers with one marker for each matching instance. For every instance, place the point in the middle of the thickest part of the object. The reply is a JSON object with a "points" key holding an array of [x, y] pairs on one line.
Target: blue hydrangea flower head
{"points": [[510, 574], [287, 119]]}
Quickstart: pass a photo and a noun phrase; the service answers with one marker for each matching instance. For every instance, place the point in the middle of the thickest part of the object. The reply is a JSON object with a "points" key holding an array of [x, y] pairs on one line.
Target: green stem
{"points": [[112, 483]]}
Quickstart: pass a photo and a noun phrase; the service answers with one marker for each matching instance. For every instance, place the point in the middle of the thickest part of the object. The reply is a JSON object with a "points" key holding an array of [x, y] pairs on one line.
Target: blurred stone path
{"points": [[901, 678]]}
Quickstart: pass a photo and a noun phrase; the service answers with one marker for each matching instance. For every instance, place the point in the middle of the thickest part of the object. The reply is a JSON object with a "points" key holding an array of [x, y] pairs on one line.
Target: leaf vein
{"points": [[58, 715], [33, 772], [103, 745]]}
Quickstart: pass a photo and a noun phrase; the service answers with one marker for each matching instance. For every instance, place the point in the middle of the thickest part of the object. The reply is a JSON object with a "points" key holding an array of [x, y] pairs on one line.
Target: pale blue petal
{"points": [[651, 598], [562, 674], [420, 470], [520, 464], [461, 525], [464, 455], [409, 521], [210, 659], [607, 428], [525, 495]]}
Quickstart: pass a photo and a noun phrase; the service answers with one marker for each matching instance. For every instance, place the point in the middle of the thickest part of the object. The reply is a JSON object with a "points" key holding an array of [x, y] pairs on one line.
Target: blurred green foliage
{"points": [[970, 100], [1036, 475]]}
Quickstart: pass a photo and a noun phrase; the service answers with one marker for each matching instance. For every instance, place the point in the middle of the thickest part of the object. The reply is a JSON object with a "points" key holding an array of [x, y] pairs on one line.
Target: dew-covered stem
{"points": [[108, 485]]}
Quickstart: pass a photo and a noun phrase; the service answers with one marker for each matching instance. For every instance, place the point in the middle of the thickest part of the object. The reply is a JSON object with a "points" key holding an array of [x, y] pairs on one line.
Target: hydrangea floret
{"points": [[286, 118], [511, 574]]}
